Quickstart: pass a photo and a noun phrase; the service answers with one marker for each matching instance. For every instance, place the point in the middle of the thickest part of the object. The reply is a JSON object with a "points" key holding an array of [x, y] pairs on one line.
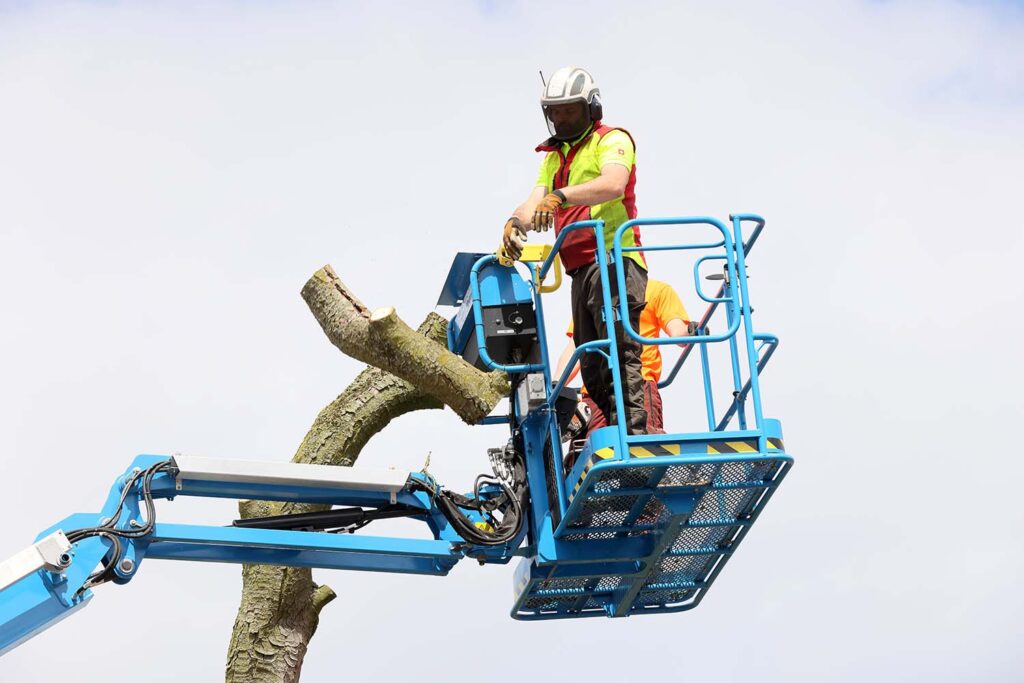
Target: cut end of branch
{"points": [[321, 596], [382, 314], [325, 275]]}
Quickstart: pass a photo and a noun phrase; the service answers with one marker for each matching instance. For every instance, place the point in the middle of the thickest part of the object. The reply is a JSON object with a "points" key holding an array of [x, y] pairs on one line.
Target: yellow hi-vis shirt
{"points": [[663, 306], [585, 157]]}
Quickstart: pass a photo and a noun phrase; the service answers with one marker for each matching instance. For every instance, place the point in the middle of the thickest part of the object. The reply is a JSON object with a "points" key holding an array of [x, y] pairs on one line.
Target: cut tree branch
{"points": [[381, 339]]}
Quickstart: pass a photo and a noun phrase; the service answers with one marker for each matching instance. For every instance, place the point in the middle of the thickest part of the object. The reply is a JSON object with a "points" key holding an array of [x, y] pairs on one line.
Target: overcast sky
{"points": [[172, 173]]}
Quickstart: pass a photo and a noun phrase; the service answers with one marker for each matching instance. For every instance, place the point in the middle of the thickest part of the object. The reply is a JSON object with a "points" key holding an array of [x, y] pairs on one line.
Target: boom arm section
{"points": [[54, 577]]}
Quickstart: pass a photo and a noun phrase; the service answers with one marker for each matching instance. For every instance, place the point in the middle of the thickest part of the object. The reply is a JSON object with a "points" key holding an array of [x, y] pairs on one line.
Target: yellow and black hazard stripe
{"points": [[595, 457], [652, 449], [745, 446]]}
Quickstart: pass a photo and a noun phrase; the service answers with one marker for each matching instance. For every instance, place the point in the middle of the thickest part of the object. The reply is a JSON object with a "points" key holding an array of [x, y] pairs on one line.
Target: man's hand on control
{"points": [[513, 238], [544, 214]]}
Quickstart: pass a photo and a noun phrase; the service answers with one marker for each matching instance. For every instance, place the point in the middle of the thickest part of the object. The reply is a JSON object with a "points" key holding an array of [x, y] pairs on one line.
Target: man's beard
{"points": [[571, 131]]}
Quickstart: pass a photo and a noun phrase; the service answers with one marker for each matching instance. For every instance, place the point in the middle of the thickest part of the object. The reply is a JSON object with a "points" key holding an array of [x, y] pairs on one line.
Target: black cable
{"points": [[109, 528], [106, 574], [510, 503]]}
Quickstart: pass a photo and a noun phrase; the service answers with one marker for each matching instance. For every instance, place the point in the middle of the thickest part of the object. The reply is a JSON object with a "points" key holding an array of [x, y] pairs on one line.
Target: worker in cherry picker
{"points": [[589, 172]]}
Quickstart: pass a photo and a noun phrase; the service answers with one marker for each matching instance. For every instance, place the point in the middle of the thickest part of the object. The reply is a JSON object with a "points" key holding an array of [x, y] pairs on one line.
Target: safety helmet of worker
{"points": [[571, 101]]}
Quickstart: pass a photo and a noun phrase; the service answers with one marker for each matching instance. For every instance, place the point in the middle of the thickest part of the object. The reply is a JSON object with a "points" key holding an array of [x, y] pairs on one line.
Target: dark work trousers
{"points": [[652, 404], [589, 324], [655, 419]]}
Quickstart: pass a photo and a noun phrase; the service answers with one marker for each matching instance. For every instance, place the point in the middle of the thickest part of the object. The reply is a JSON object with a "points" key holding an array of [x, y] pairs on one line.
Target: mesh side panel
{"points": [[761, 470], [654, 512], [733, 472], [681, 475], [562, 604], [608, 584], [706, 509], [590, 536], [722, 504], [698, 537], [604, 511], [550, 485], [664, 597], [677, 569], [564, 583], [549, 603], [736, 501], [623, 477]]}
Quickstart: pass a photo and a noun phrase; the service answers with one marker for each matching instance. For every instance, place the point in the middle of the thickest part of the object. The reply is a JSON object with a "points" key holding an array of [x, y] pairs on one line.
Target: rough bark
{"points": [[280, 607], [381, 339]]}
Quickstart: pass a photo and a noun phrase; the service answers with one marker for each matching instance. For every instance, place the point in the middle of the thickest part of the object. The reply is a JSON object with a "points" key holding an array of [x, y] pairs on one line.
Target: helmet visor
{"points": [[566, 121]]}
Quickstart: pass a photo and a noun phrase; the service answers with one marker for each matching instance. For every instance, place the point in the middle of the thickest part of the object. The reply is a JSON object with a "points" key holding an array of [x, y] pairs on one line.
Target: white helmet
{"points": [[571, 84]]}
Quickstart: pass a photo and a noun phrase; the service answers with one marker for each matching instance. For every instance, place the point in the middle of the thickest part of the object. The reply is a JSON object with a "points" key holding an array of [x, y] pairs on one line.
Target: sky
{"points": [[172, 173]]}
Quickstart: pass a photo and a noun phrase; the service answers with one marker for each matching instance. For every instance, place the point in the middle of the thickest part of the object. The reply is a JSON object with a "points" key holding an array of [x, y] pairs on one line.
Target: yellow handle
{"points": [[503, 258], [535, 253], [544, 289], [538, 253]]}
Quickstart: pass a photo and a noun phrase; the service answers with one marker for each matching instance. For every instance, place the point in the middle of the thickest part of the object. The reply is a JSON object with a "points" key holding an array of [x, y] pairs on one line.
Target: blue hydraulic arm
{"points": [[56, 576]]}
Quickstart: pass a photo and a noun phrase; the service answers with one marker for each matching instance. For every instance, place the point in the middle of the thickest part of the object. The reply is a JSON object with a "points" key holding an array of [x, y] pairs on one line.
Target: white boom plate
{"points": [[297, 474], [44, 554]]}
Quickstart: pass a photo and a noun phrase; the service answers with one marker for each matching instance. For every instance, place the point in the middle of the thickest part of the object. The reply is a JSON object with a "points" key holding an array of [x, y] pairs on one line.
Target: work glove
{"points": [[513, 238], [544, 214]]}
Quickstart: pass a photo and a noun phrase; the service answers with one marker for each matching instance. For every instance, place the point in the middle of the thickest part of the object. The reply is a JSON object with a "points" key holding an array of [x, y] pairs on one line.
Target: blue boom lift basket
{"points": [[642, 524]]}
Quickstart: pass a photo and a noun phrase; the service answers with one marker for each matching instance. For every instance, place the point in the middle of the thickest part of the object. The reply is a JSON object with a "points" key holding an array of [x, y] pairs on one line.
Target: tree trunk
{"points": [[280, 606]]}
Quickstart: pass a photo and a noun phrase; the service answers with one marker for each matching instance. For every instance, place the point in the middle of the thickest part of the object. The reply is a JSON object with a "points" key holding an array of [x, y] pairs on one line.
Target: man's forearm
{"points": [[678, 328]]}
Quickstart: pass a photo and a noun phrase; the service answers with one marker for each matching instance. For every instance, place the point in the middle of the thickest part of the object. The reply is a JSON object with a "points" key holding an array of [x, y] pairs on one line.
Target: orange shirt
{"points": [[663, 305]]}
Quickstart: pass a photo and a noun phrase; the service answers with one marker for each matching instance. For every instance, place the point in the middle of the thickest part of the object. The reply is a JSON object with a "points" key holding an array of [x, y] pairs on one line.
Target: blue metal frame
{"points": [[708, 313], [733, 293], [556, 555]]}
